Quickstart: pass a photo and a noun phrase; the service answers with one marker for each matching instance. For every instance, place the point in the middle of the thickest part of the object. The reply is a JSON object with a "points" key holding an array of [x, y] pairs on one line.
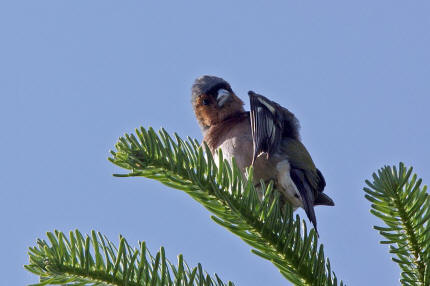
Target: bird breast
{"points": [[236, 141]]}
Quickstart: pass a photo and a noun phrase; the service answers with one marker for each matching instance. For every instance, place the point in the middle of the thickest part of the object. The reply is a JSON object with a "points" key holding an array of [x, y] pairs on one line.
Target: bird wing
{"points": [[266, 124], [308, 179], [275, 129], [304, 175], [299, 158], [307, 193]]}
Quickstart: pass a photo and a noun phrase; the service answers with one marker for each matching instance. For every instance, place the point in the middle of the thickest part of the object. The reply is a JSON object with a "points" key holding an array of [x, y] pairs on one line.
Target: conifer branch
{"points": [[274, 234], [399, 200], [94, 260]]}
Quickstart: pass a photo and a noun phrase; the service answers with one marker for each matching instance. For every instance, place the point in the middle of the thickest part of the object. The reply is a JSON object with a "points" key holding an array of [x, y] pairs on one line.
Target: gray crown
{"points": [[204, 83]]}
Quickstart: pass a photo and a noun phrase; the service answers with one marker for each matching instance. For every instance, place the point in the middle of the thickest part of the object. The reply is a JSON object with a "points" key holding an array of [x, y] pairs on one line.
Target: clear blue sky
{"points": [[75, 75]]}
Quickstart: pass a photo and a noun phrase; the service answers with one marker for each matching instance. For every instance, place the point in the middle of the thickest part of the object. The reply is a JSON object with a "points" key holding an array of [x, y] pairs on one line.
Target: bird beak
{"points": [[222, 97]]}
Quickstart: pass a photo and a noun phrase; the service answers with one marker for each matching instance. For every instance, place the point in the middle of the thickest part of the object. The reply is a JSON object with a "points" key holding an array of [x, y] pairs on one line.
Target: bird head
{"points": [[214, 101]]}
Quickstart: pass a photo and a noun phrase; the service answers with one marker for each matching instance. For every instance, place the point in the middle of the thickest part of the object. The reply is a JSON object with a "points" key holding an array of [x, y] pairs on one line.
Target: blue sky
{"points": [[76, 75]]}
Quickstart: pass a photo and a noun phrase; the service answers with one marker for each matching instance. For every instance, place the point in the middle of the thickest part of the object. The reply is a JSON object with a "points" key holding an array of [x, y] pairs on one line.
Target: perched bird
{"points": [[267, 137]]}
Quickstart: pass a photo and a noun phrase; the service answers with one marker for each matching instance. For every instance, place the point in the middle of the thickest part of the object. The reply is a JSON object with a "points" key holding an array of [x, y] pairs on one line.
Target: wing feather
{"points": [[307, 194], [266, 124]]}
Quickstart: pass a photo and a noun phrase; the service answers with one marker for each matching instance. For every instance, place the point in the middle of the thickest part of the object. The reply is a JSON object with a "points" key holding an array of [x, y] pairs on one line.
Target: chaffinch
{"points": [[266, 137]]}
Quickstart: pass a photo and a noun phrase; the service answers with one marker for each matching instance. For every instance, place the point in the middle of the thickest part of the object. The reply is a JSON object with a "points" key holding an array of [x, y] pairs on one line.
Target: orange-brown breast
{"points": [[216, 131], [233, 137]]}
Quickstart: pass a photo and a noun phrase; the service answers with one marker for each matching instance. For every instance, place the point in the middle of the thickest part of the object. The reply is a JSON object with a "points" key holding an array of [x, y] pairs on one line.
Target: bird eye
{"points": [[205, 102]]}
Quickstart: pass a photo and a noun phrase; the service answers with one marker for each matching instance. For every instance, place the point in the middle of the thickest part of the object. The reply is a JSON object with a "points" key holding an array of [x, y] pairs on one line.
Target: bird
{"points": [[266, 137]]}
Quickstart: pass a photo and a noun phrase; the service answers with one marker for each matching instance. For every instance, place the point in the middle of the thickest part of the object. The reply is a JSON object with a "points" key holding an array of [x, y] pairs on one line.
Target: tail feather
{"points": [[323, 200]]}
